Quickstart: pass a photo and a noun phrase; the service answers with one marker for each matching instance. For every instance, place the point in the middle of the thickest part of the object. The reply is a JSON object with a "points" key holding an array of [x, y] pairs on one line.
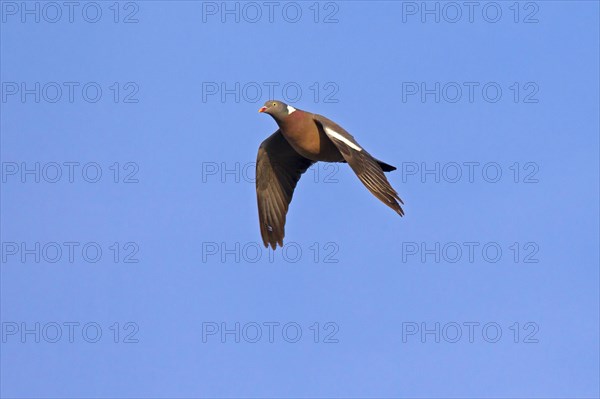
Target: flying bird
{"points": [[302, 139]]}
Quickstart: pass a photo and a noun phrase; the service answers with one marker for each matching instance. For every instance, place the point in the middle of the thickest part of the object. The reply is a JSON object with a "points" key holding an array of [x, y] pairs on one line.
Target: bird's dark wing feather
{"points": [[366, 167], [278, 169]]}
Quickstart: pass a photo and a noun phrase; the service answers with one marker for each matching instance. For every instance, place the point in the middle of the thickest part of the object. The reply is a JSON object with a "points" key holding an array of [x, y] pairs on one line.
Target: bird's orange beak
{"points": [[263, 109]]}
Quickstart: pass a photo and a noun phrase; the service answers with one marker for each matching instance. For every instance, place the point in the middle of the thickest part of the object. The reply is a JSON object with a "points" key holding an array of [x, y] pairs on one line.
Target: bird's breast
{"points": [[308, 140]]}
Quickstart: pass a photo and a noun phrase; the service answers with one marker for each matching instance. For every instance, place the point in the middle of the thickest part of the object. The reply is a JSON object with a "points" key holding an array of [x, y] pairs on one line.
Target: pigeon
{"points": [[302, 139]]}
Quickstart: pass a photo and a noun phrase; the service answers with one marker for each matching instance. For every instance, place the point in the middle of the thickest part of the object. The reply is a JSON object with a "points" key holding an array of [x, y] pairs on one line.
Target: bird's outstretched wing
{"points": [[366, 167], [278, 169]]}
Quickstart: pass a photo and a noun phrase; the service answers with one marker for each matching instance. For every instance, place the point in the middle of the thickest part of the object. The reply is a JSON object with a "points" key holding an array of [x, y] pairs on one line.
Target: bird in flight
{"points": [[302, 139]]}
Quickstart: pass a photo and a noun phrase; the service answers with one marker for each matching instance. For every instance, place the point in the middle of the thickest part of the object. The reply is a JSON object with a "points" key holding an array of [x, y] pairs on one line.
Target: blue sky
{"points": [[132, 263]]}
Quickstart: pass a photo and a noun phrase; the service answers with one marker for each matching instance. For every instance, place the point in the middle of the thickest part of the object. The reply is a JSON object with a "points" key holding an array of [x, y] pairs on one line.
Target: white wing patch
{"points": [[290, 109], [337, 136]]}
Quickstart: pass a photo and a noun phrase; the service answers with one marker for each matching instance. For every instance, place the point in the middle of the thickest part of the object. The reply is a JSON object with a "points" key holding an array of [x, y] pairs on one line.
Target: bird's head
{"points": [[277, 109]]}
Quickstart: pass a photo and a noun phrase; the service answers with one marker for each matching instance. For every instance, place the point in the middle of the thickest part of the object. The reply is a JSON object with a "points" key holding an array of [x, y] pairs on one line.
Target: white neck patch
{"points": [[291, 109]]}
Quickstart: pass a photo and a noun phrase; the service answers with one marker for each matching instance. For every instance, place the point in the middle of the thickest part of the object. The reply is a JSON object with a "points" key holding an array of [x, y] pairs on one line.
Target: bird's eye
{"points": [[274, 104]]}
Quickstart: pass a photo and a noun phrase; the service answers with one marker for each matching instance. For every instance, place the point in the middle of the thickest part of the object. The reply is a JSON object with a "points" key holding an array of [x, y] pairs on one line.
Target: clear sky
{"points": [[132, 263]]}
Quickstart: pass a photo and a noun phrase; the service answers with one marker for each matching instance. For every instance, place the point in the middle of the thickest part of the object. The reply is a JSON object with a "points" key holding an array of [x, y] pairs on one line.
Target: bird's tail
{"points": [[386, 167]]}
